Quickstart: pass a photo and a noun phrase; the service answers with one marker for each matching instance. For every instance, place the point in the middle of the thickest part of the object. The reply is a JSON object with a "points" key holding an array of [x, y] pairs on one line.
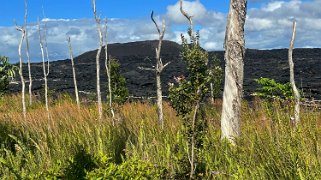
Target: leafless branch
{"points": [[188, 17]]}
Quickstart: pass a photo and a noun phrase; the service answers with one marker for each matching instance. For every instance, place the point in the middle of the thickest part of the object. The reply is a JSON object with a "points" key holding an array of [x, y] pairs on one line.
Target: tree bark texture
{"points": [[234, 64]]}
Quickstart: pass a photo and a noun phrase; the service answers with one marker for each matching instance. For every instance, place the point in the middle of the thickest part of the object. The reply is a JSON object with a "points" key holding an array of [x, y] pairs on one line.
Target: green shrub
{"points": [[118, 83], [272, 89], [129, 169]]}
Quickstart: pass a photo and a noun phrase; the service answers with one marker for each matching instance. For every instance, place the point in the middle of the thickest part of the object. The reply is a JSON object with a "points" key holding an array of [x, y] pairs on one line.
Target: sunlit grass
{"points": [[73, 142]]}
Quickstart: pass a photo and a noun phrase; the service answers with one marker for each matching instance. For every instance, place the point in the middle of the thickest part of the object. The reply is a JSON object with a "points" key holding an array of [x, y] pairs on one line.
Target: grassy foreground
{"points": [[73, 144]]}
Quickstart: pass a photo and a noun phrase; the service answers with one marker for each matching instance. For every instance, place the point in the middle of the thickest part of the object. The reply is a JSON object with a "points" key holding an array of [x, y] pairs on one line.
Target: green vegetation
{"points": [[118, 87], [186, 96], [78, 146], [271, 89], [7, 71]]}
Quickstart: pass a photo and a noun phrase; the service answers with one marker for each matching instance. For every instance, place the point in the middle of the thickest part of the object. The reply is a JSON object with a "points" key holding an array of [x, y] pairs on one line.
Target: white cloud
{"points": [[268, 26], [193, 8], [273, 6]]}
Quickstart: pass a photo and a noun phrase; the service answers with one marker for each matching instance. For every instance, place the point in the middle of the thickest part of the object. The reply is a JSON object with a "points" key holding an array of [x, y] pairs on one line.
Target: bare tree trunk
{"points": [[73, 72], [158, 70], [292, 81], [23, 33], [45, 73], [234, 57], [27, 53], [108, 69], [100, 108], [212, 93]]}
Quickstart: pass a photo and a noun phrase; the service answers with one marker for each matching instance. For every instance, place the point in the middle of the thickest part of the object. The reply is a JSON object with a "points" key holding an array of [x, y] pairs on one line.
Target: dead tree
{"points": [[73, 72], [158, 70], [211, 89], [292, 81], [45, 73], [28, 54], [100, 108], [108, 69], [234, 46], [23, 33]]}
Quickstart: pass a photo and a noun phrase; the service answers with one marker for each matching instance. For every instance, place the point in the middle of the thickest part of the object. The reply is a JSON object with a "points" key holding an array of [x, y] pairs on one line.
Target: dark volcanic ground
{"points": [[135, 57]]}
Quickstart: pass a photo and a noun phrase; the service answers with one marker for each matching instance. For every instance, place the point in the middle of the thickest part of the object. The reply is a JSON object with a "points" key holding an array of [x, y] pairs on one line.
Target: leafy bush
{"points": [[129, 169], [79, 164], [272, 89], [118, 83], [187, 95]]}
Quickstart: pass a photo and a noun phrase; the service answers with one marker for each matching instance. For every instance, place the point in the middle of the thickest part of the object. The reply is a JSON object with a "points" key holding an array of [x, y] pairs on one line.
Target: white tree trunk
{"points": [[45, 73], [234, 57], [73, 72], [23, 33], [28, 54], [158, 70], [100, 108], [212, 92], [108, 69], [292, 81], [159, 100]]}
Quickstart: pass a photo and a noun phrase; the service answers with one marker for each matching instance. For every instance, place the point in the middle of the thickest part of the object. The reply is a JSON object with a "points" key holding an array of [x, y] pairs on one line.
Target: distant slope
{"points": [[135, 57]]}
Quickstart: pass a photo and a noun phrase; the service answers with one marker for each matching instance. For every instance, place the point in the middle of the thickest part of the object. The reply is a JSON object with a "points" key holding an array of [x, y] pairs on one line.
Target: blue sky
{"points": [[78, 9], [268, 24]]}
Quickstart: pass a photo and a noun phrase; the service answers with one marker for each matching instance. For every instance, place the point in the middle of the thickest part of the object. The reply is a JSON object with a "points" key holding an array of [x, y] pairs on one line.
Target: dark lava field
{"points": [[137, 58]]}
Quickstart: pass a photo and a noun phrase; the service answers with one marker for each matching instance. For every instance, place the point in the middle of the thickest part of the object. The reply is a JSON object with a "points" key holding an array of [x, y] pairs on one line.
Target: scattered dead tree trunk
{"points": [[197, 105], [108, 69], [211, 89], [158, 70], [234, 58], [28, 54], [45, 73], [100, 108], [23, 33], [292, 81], [73, 72]]}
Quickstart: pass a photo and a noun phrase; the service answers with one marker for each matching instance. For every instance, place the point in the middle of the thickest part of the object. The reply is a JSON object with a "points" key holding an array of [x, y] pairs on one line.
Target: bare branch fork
{"points": [[23, 33], [188, 17], [158, 69], [292, 81], [190, 21], [159, 65]]}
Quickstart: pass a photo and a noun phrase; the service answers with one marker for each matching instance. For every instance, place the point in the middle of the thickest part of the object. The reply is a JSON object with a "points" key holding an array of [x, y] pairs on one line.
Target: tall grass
{"points": [[74, 144]]}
